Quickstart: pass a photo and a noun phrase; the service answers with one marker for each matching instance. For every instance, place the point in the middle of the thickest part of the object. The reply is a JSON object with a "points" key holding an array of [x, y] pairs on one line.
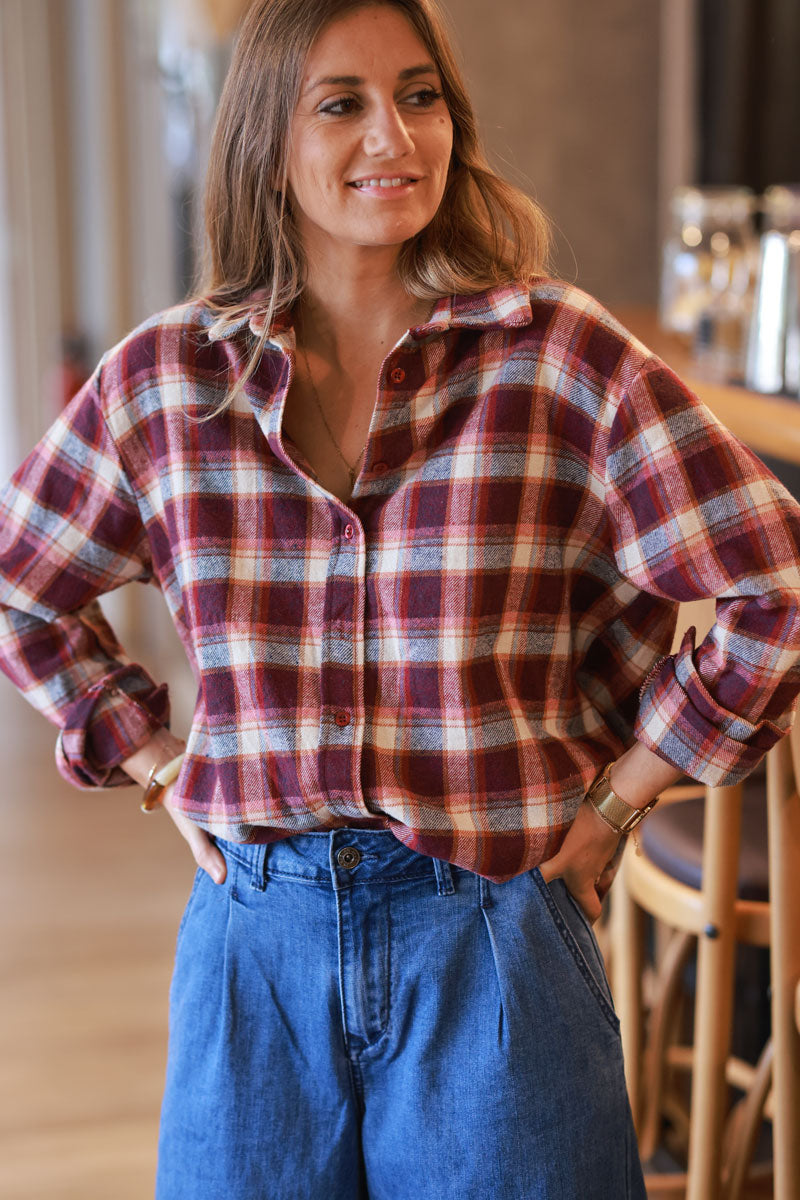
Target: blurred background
{"points": [[600, 111]]}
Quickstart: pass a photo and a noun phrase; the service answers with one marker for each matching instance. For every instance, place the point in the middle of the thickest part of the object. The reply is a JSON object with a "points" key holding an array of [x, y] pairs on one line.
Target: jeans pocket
{"points": [[576, 933]]}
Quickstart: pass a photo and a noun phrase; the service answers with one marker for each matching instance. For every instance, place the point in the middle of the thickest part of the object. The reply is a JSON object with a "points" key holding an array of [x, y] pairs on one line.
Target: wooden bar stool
{"points": [[709, 915], [717, 914]]}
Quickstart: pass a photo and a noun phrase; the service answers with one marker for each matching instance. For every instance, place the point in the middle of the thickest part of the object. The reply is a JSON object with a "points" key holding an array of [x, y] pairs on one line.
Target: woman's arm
{"points": [[694, 515], [71, 531]]}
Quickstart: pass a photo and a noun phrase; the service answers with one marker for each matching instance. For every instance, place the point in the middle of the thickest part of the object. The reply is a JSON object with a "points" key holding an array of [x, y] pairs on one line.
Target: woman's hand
{"points": [[205, 853], [162, 747], [590, 853], [587, 860]]}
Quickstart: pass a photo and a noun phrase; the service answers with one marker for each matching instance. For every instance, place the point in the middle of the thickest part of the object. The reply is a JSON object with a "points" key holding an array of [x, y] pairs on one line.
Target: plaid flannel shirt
{"points": [[455, 652]]}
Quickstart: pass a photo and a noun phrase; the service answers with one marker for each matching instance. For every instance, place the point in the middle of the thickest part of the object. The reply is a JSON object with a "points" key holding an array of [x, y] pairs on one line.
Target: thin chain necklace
{"points": [[352, 471]]}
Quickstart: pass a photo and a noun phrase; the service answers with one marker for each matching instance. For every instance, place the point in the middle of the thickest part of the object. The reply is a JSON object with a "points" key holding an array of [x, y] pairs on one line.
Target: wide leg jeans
{"points": [[352, 1020]]}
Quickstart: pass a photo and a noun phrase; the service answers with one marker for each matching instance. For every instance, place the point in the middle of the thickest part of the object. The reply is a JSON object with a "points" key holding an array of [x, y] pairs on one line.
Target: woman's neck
{"points": [[342, 315]]}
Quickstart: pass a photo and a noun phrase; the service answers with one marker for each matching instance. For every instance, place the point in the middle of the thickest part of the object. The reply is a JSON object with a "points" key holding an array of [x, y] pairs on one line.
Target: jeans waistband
{"points": [[340, 858]]}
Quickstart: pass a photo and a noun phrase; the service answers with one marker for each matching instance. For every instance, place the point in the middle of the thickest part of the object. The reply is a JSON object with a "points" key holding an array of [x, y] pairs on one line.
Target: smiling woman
{"points": [[423, 516], [483, 232], [385, 203]]}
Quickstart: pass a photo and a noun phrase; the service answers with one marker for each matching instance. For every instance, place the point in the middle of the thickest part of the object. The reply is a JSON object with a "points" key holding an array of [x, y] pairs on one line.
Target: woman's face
{"points": [[370, 114]]}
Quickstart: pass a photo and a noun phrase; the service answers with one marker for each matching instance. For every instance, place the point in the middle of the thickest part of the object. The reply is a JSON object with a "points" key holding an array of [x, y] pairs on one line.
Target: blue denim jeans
{"points": [[352, 1020]]}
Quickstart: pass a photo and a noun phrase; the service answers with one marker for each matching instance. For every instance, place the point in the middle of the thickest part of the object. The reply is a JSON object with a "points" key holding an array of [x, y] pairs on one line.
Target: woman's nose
{"points": [[388, 134]]}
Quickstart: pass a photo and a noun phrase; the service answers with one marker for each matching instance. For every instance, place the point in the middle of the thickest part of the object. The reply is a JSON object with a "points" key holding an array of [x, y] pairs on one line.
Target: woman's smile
{"points": [[384, 188]]}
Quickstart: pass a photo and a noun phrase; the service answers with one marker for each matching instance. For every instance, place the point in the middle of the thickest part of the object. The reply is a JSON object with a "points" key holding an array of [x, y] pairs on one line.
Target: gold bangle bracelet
{"points": [[152, 791], [158, 781]]}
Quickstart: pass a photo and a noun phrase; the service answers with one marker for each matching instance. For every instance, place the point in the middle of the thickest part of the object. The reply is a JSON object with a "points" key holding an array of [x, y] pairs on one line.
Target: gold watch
{"points": [[621, 817]]}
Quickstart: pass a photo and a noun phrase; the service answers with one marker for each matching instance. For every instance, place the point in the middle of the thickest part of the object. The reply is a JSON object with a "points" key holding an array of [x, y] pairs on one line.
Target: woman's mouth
{"points": [[385, 185]]}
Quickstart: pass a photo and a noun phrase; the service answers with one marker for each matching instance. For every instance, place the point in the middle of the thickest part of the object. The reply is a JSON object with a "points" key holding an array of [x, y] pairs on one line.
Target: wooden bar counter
{"points": [[767, 424]]}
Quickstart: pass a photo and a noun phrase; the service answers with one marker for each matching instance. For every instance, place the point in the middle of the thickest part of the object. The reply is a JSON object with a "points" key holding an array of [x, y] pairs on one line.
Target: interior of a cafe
{"points": [[661, 139]]}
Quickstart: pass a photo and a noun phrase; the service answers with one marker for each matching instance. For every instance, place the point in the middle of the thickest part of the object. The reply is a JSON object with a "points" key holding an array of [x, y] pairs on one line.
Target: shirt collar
{"points": [[504, 306], [499, 307]]}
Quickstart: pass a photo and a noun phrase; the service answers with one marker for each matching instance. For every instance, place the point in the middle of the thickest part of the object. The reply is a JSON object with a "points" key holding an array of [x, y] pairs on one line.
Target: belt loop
{"points": [[444, 878], [485, 900], [258, 874]]}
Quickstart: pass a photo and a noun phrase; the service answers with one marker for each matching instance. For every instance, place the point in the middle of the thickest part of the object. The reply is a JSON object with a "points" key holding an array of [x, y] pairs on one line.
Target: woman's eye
{"points": [[425, 97], [341, 107]]}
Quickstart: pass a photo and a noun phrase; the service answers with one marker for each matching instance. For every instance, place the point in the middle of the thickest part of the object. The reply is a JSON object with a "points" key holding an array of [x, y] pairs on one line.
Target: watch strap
{"points": [[621, 817]]}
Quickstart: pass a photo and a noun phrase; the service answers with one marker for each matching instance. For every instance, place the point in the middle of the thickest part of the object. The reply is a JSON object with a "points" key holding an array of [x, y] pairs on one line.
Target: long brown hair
{"points": [[485, 232]]}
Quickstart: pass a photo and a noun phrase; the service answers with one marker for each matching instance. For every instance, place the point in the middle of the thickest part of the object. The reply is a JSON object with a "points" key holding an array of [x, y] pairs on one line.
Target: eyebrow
{"points": [[356, 80]]}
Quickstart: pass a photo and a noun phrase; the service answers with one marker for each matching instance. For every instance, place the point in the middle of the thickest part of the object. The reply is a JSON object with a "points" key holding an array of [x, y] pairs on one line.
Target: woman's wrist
{"points": [[161, 749], [638, 776]]}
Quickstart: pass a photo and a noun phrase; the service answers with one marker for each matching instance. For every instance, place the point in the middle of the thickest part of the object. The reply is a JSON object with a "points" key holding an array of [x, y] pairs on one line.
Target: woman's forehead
{"points": [[378, 40]]}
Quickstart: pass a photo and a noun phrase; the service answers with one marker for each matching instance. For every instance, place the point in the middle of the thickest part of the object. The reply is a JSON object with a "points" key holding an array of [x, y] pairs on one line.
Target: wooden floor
{"points": [[91, 893]]}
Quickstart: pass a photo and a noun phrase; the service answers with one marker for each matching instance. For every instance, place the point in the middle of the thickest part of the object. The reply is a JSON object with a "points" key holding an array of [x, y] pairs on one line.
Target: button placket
{"points": [[341, 685]]}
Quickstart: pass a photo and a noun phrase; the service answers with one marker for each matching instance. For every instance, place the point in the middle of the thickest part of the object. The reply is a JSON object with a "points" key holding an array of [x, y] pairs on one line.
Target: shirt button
{"points": [[349, 531], [342, 718], [348, 857], [397, 375], [380, 468]]}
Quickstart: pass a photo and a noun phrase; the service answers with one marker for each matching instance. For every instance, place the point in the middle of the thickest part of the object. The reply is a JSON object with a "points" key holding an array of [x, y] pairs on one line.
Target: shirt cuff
{"points": [[115, 718], [681, 722]]}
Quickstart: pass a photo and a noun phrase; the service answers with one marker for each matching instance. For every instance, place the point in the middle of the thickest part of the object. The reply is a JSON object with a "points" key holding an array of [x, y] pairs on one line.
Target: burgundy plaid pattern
{"points": [[456, 652]]}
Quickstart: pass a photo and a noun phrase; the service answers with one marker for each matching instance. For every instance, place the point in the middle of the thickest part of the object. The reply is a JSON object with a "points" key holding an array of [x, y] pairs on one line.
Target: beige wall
{"points": [[567, 96]]}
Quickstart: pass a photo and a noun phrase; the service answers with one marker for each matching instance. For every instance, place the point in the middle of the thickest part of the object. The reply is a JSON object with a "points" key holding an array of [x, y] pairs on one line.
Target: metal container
{"points": [[773, 346]]}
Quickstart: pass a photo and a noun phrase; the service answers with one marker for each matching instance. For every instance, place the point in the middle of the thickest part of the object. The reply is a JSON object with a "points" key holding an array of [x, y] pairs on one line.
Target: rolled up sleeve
{"points": [[70, 531], [696, 515]]}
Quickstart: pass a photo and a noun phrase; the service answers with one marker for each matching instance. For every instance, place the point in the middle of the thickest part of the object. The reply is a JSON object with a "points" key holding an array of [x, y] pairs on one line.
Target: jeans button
{"points": [[348, 857]]}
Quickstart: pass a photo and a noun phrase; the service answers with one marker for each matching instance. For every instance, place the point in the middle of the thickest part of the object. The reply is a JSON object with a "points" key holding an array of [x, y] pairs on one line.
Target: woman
{"points": [[420, 625]]}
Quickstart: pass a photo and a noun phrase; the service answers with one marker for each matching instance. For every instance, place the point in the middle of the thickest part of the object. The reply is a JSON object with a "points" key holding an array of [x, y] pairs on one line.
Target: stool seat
{"points": [[672, 838]]}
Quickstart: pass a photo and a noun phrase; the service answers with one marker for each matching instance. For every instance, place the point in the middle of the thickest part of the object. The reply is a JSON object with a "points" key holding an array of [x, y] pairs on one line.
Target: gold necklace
{"points": [[352, 471]]}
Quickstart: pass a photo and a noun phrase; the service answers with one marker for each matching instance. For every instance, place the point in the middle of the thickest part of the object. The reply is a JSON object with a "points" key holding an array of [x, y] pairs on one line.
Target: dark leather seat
{"points": [[672, 837]]}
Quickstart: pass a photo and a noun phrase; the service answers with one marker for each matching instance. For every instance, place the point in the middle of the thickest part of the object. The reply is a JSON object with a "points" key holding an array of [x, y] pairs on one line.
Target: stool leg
{"points": [[714, 999], [744, 1123], [627, 960], [668, 983], [783, 808]]}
